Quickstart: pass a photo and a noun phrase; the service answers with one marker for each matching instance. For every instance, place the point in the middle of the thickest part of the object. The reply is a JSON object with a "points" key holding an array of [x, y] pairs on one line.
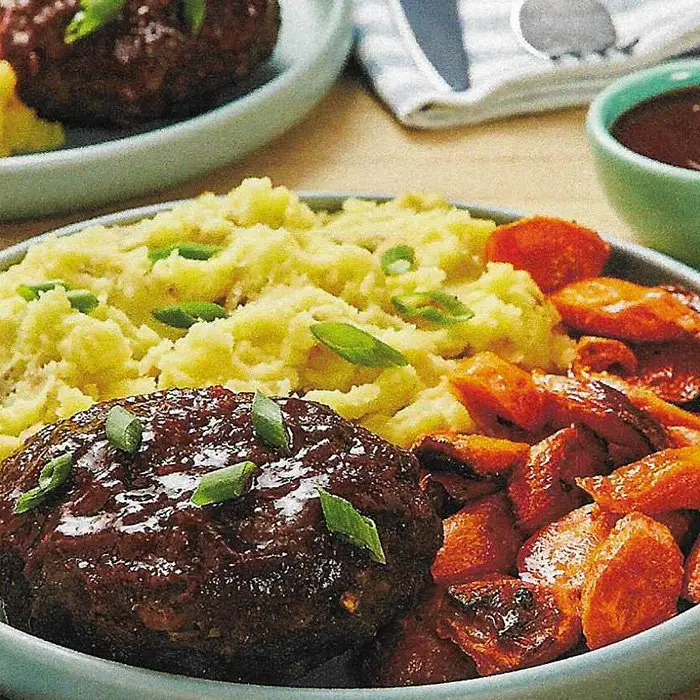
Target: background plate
{"points": [[647, 665], [98, 166]]}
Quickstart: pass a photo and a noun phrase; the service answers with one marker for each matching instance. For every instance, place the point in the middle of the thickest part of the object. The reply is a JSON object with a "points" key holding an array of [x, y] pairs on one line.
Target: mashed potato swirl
{"points": [[282, 268]]}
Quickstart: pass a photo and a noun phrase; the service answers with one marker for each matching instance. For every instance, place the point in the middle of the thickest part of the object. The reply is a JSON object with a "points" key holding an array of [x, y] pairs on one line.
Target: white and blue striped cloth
{"points": [[505, 78]]}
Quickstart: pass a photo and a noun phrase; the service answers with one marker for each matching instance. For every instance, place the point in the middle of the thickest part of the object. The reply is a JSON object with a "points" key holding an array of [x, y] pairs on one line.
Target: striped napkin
{"points": [[505, 78]]}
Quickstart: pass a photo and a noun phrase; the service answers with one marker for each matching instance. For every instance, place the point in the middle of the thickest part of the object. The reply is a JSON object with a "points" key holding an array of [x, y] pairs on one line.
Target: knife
{"points": [[432, 31]]}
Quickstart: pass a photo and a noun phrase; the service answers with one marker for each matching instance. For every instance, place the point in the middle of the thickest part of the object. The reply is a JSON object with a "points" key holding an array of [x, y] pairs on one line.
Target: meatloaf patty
{"points": [[118, 562], [145, 64]]}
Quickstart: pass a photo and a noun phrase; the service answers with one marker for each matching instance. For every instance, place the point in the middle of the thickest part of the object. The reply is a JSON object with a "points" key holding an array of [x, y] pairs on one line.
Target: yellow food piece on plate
{"points": [[281, 268], [21, 131]]}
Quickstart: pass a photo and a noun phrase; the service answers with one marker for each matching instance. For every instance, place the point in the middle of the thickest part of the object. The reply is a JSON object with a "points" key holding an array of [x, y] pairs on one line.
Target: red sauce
{"points": [[665, 128]]}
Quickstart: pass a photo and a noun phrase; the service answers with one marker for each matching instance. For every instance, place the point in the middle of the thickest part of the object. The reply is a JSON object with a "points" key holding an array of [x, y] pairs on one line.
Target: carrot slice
{"points": [[543, 488], [555, 252], [505, 624], [683, 436], [488, 385], [471, 455], [663, 481], [619, 309], [560, 553], [451, 492], [594, 354], [633, 583], [604, 409], [691, 576], [670, 370], [410, 652], [481, 538]]}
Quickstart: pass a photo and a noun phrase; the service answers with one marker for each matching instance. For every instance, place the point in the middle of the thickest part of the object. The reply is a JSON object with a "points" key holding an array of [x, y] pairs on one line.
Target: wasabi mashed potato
{"points": [[281, 269]]}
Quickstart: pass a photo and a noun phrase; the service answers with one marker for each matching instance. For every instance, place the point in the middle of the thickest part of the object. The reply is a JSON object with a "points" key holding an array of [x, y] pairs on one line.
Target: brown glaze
{"points": [[665, 128], [120, 563]]}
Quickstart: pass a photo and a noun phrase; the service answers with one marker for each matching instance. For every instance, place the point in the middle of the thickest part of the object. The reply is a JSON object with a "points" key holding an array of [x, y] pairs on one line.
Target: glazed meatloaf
{"points": [[146, 63], [119, 562]]}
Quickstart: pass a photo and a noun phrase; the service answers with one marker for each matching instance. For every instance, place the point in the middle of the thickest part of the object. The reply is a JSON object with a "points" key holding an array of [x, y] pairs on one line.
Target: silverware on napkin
{"points": [[433, 32]]}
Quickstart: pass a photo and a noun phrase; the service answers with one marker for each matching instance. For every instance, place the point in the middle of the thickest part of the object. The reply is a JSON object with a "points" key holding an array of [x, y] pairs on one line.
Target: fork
{"points": [[556, 29]]}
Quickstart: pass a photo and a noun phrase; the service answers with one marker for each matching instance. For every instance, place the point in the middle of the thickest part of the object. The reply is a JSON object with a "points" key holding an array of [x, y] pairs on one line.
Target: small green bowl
{"points": [[660, 202]]}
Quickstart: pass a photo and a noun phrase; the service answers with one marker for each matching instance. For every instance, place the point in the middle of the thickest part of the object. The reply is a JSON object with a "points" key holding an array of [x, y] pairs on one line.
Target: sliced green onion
{"points": [[439, 307], [194, 11], [82, 300], [188, 313], [268, 422], [92, 16], [224, 484], [124, 430], [191, 251], [30, 292], [398, 260], [357, 346], [51, 477], [343, 518]]}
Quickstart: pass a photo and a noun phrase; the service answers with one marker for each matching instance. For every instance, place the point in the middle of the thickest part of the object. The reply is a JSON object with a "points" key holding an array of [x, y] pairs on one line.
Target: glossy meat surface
{"points": [[120, 563], [146, 64]]}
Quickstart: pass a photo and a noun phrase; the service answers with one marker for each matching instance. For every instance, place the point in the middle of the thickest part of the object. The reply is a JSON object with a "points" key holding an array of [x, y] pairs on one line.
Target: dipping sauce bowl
{"points": [[651, 111]]}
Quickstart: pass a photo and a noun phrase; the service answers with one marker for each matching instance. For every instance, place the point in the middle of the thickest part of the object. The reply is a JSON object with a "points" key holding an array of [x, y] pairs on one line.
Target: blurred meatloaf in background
{"points": [[147, 60]]}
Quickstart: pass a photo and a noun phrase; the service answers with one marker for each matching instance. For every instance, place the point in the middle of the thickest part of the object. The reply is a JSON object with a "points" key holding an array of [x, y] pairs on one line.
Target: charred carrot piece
{"points": [[669, 370], [560, 553], [481, 538], [543, 488], [633, 583], [505, 624], [619, 309], [663, 481], [605, 410], [555, 252], [488, 385], [594, 354]]}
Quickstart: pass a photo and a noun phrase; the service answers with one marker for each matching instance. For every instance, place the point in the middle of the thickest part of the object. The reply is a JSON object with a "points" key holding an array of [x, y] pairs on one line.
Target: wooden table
{"points": [[537, 164]]}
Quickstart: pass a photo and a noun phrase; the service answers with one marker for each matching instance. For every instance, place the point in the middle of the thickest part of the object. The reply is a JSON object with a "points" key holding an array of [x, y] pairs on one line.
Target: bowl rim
{"points": [[583, 666], [599, 132]]}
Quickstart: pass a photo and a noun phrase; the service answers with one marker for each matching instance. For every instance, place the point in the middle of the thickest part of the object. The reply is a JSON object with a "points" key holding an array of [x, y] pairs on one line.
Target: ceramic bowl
{"points": [[660, 202], [647, 665]]}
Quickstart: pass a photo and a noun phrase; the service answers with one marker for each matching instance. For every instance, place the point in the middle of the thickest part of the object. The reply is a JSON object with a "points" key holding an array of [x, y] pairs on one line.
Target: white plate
{"points": [[98, 166]]}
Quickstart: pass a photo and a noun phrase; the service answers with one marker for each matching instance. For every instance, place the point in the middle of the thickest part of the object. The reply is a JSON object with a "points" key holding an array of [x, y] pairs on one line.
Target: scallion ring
{"points": [[397, 260], [188, 313], [344, 519], [224, 484], [191, 251], [439, 307], [357, 346], [124, 430], [268, 422], [51, 477]]}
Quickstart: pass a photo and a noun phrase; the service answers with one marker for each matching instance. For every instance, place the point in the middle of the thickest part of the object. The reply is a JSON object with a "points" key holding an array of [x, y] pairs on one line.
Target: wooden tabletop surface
{"points": [[349, 142]]}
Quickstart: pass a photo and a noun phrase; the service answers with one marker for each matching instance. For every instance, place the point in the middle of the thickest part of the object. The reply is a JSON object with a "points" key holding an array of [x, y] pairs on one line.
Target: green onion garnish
{"points": [[224, 484], [124, 430], [51, 477], [194, 11], [30, 292], [439, 307], [398, 260], [191, 251], [268, 422], [188, 313], [82, 300], [93, 15], [357, 346], [343, 518]]}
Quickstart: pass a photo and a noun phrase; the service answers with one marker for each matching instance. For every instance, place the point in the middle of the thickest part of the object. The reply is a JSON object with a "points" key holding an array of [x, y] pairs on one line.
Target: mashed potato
{"points": [[281, 269]]}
